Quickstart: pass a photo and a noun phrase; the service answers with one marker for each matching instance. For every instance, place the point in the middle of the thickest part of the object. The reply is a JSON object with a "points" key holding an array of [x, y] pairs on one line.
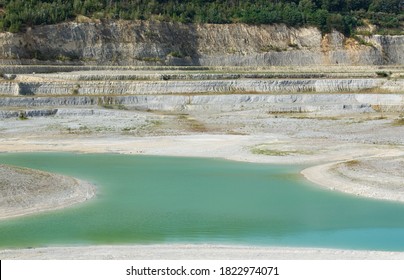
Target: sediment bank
{"points": [[26, 191]]}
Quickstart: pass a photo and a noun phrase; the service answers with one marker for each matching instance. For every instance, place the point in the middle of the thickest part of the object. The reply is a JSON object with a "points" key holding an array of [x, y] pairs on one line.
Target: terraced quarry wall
{"points": [[204, 86], [184, 90]]}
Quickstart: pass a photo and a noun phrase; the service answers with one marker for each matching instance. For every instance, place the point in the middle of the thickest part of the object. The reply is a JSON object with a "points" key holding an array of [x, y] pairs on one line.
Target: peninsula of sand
{"points": [[26, 191], [347, 131]]}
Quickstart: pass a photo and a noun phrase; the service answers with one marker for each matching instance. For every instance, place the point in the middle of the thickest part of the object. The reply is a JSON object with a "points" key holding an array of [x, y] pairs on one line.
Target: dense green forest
{"points": [[342, 15]]}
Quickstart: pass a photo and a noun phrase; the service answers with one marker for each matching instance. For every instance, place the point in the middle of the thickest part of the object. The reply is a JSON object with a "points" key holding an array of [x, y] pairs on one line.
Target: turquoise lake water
{"points": [[144, 200]]}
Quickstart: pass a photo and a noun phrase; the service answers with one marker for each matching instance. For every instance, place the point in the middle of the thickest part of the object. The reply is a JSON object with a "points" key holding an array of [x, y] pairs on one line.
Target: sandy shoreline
{"points": [[309, 141], [372, 183], [194, 252], [232, 150]]}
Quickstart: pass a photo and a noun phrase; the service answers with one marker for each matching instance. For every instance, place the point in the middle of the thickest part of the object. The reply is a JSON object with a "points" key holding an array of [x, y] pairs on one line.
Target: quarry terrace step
{"points": [[110, 87], [44, 106]]}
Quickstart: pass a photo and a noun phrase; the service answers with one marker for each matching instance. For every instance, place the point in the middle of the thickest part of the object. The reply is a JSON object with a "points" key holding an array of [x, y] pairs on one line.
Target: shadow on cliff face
{"points": [[148, 43], [104, 42], [174, 43], [111, 43]]}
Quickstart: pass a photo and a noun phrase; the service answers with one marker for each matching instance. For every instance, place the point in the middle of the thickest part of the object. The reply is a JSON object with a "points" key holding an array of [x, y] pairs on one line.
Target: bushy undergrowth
{"points": [[342, 15]]}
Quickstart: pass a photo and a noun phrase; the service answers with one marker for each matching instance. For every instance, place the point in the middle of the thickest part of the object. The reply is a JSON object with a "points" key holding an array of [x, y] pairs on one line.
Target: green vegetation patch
{"points": [[342, 15], [83, 129], [399, 121], [263, 150], [268, 152], [352, 163], [192, 124], [22, 116], [114, 106], [383, 74]]}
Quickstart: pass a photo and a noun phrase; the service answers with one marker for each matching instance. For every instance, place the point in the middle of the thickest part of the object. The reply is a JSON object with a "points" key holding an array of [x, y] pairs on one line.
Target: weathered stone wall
{"points": [[270, 103], [162, 43], [112, 87]]}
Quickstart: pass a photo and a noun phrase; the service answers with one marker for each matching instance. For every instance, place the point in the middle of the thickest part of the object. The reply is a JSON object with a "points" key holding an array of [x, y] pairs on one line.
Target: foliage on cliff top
{"points": [[342, 15]]}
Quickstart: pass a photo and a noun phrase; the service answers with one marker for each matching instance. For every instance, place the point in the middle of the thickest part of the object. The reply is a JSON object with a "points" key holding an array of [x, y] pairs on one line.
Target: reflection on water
{"points": [[165, 199]]}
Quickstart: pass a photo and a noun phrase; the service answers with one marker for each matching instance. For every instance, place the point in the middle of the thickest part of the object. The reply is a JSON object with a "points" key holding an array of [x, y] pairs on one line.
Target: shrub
{"points": [[383, 74]]}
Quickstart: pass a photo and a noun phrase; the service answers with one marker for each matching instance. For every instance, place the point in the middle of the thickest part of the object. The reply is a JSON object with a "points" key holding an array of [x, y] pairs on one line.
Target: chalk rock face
{"points": [[44, 88], [163, 43], [270, 103]]}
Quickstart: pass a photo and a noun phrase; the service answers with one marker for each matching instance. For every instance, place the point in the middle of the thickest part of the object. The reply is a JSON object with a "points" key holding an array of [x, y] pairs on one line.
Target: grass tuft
{"points": [[267, 152]]}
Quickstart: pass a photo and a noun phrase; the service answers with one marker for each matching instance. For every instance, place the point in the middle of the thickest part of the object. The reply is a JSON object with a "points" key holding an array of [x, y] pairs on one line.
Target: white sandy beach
{"points": [[194, 252]]}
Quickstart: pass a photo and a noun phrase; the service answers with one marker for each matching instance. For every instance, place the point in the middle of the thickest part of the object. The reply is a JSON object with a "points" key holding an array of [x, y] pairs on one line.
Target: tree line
{"points": [[342, 15]]}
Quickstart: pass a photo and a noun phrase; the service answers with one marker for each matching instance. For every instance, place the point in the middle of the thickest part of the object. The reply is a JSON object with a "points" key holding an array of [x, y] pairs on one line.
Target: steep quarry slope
{"points": [[162, 43]]}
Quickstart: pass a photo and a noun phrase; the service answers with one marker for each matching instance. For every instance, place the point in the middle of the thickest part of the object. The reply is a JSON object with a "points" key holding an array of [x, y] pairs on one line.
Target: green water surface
{"points": [[143, 200]]}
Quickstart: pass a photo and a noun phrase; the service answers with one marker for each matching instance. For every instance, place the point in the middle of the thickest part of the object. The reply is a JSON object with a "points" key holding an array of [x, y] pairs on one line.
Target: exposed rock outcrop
{"points": [[331, 103], [204, 86], [163, 43]]}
